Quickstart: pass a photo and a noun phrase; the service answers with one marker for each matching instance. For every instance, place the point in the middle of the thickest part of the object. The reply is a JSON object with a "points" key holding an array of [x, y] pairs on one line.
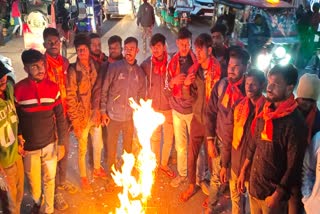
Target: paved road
{"points": [[164, 199]]}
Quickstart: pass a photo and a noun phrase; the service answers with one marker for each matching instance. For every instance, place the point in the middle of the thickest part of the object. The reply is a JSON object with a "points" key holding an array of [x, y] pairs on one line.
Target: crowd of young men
{"points": [[215, 113]]}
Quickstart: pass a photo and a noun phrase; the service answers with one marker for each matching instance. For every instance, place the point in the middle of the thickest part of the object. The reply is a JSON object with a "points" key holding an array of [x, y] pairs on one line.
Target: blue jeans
{"points": [[215, 182]]}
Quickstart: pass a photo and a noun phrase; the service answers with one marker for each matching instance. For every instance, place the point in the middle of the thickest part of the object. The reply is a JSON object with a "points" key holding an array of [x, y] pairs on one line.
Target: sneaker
{"points": [[178, 180], [85, 185], [68, 187], [100, 173], [59, 202], [35, 209], [204, 187]]}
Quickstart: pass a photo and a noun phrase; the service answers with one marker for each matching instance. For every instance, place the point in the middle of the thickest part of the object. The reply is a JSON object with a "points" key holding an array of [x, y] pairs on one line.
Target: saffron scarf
{"points": [[310, 120], [160, 66], [56, 73], [285, 108], [232, 93], [240, 115]]}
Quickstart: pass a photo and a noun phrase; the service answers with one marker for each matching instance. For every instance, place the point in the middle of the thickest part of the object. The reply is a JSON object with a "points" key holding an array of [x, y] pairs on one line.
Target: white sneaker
{"points": [[178, 180]]}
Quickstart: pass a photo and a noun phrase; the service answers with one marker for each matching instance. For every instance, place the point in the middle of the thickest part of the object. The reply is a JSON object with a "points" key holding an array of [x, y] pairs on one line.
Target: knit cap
{"points": [[309, 86]]}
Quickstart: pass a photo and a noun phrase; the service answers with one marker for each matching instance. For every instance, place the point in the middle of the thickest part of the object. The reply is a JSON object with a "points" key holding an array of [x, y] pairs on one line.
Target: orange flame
{"points": [[135, 193]]}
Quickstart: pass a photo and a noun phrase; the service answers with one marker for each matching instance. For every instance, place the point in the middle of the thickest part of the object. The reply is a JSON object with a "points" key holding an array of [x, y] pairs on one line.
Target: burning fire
{"points": [[136, 192]]}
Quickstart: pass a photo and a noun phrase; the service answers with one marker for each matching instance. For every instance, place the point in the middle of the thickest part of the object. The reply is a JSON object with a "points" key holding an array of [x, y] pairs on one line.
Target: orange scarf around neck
{"points": [[232, 93], [241, 114], [285, 108], [56, 73], [160, 66]]}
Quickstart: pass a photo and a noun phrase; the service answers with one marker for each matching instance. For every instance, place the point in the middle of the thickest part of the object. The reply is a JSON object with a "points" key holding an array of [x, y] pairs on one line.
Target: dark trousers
{"points": [[105, 143], [197, 138], [114, 128], [295, 205], [61, 173]]}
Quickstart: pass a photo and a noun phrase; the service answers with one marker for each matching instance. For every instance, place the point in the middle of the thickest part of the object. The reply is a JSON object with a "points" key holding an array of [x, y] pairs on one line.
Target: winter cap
{"points": [[31, 56], [3, 70], [309, 86]]}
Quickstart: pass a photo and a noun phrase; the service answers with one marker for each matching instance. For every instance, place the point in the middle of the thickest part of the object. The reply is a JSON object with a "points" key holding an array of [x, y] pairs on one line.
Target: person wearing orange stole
{"points": [[57, 67], [223, 96], [234, 149], [277, 147], [201, 79]]}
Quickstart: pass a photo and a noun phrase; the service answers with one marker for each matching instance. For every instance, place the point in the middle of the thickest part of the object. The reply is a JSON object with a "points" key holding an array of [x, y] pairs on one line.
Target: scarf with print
{"points": [[285, 108], [212, 75], [232, 93], [240, 115], [57, 74], [159, 67]]}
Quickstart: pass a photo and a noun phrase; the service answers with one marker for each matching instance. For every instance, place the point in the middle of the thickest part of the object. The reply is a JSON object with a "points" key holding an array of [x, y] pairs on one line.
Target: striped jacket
{"points": [[40, 113]]}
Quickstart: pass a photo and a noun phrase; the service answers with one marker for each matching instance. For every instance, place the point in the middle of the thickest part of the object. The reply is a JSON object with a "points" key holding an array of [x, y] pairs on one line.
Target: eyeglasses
{"points": [[53, 43]]}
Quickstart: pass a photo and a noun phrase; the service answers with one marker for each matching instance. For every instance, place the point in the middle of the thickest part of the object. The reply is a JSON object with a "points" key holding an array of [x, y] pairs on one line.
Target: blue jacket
{"points": [[121, 82]]}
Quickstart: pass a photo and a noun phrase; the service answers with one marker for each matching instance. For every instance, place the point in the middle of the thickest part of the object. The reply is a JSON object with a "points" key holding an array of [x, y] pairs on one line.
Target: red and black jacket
{"points": [[40, 113]]}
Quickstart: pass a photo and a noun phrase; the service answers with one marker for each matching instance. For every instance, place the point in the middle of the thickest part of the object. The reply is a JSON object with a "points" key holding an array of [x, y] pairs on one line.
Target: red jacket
{"points": [[40, 113]]}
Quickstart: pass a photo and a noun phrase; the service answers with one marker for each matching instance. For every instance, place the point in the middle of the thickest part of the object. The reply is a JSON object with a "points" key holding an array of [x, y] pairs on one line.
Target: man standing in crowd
{"points": [[123, 80], [311, 176], [115, 54], [276, 151], [235, 147], [201, 79], [95, 49], [225, 94], [155, 68], [307, 96], [219, 49], [82, 76], [57, 67], [11, 166], [181, 108], [39, 108], [147, 19], [99, 58]]}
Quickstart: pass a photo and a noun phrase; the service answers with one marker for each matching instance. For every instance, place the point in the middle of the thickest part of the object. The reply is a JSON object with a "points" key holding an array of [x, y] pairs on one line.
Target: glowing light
{"points": [[263, 61], [280, 52], [136, 191], [285, 60], [273, 1]]}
